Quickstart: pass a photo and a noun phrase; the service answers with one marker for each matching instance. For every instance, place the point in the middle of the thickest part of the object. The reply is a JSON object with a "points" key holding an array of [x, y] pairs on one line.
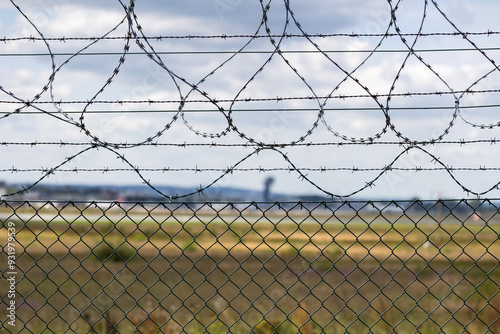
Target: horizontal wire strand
{"points": [[136, 34]]}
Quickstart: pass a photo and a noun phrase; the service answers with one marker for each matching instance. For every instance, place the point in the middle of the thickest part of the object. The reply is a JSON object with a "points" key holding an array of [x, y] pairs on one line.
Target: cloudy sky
{"points": [[258, 91]]}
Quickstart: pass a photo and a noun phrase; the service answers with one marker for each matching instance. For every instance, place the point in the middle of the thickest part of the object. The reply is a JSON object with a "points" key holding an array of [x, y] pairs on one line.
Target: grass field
{"points": [[221, 270]]}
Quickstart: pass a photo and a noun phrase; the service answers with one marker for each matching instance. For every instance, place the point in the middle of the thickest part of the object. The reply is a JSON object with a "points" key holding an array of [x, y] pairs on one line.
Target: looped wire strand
{"points": [[137, 34]]}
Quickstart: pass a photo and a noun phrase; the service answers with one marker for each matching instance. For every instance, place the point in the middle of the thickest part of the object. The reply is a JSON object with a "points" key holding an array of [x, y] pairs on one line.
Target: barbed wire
{"points": [[45, 170], [250, 99], [460, 142], [225, 36], [196, 93]]}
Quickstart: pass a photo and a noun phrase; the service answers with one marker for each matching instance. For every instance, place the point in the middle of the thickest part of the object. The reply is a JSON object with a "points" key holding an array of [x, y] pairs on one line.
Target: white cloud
{"points": [[73, 19], [142, 79]]}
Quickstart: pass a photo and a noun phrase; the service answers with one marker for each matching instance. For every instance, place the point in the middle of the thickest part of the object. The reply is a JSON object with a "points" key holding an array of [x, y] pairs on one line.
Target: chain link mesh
{"points": [[315, 267]]}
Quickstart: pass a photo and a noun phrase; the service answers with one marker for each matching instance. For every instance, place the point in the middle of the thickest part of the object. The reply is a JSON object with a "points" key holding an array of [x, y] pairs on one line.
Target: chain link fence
{"points": [[310, 267]]}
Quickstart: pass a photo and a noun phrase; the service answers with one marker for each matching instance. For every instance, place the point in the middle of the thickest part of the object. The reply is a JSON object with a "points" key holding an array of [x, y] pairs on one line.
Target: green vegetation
{"points": [[106, 252]]}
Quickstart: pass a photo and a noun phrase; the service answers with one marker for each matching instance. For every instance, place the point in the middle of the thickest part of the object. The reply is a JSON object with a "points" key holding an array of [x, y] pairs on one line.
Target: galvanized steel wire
{"points": [[255, 267], [45, 102]]}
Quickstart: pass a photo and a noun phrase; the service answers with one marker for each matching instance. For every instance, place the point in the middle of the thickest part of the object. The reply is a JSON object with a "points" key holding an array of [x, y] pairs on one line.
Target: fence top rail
{"points": [[228, 202]]}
